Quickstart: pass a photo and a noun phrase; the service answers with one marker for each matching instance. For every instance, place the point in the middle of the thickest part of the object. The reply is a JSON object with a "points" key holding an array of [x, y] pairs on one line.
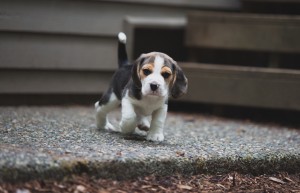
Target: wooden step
{"points": [[240, 31], [243, 86]]}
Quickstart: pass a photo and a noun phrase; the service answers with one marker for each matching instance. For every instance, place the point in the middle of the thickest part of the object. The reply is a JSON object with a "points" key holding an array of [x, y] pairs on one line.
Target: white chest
{"points": [[147, 105]]}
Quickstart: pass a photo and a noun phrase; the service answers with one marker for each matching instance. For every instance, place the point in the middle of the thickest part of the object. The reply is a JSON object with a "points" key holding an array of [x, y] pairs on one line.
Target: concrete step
{"points": [[52, 142]]}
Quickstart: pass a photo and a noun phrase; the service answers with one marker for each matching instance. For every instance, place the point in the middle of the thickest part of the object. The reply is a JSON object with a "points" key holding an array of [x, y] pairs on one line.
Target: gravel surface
{"points": [[45, 142]]}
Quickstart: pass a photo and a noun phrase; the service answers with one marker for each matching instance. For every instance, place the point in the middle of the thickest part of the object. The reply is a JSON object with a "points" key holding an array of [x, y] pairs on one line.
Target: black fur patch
{"points": [[118, 83], [105, 97], [120, 80], [134, 91]]}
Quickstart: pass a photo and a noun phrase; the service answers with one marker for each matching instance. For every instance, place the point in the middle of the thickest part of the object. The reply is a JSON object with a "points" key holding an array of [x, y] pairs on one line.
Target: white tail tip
{"points": [[122, 37], [97, 104]]}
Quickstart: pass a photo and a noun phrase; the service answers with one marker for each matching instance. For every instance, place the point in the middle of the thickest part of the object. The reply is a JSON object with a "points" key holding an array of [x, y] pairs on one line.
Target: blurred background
{"points": [[241, 56]]}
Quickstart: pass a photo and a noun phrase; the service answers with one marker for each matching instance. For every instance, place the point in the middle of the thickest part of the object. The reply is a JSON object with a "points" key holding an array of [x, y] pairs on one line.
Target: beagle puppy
{"points": [[142, 89]]}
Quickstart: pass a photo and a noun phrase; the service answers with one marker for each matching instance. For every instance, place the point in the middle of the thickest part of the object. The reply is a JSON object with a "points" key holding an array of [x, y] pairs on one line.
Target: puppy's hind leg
{"points": [[106, 104], [129, 119]]}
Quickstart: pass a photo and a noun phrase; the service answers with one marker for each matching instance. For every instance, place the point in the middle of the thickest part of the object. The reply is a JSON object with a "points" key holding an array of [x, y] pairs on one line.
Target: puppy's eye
{"points": [[146, 72], [166, 75]]}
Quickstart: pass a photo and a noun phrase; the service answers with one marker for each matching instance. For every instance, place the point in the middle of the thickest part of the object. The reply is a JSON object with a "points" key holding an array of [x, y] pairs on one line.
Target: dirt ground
{"points": [[232, 182]]}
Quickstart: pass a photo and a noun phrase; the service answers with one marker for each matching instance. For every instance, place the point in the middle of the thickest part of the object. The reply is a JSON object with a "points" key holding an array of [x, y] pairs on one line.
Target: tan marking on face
{"points": [[173, 78], [149, 67], [166, 69]]}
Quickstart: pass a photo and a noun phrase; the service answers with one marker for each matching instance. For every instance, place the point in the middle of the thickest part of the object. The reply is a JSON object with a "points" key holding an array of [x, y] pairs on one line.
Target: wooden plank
{"points": [[289, 7], [272, 1], [60, 16], [243, 86], [62, 34], [76, 17], [257, 32], [53, 82], [56, 51], [48, 99], [208, 4]]}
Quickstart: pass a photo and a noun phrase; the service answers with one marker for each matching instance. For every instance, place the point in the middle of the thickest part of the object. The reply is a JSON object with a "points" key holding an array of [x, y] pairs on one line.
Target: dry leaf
{"points": [[221, 186], [295, 191], [80, 188], [276, 180], [59, 185], [185, 187], [22, 191], [121, 191], [288, 179], [146, 186], [103, 191], [162, 188], [2, 190]]}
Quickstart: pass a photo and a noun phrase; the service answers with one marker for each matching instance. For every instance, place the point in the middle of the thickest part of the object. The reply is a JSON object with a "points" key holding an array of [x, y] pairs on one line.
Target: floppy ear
{"points": [[135, 71], [180, 84]]}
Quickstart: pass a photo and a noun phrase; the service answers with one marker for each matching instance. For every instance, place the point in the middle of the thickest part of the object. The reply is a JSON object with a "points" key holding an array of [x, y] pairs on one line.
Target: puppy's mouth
{"points": [[154, 94]]}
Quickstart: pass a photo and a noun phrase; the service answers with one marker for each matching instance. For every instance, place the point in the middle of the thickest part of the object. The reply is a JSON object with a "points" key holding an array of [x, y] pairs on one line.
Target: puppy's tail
{"points": [[122, 54]]}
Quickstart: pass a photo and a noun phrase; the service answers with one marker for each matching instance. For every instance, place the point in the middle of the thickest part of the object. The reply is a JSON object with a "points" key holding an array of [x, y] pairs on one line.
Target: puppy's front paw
{"points": [[155, 137], [110, 127], [139, 132]]}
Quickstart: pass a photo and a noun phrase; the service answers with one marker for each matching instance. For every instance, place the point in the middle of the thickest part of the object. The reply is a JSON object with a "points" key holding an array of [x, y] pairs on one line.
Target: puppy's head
{"points": [[157, 74]]}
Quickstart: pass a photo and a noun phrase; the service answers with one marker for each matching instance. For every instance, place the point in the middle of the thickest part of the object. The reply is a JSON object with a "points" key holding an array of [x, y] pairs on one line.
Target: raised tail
{"points": [[122, 54]]}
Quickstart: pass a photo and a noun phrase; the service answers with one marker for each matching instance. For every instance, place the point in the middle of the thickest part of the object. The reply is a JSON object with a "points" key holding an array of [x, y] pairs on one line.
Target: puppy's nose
{"points": [[154, 86]]}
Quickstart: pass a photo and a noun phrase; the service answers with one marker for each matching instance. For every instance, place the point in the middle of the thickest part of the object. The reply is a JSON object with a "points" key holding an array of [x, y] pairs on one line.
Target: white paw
{"points": [[127, 130], [107, 126], [110, 127], [139, 132], [155, 137], [100, 125], [127, 126]]}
